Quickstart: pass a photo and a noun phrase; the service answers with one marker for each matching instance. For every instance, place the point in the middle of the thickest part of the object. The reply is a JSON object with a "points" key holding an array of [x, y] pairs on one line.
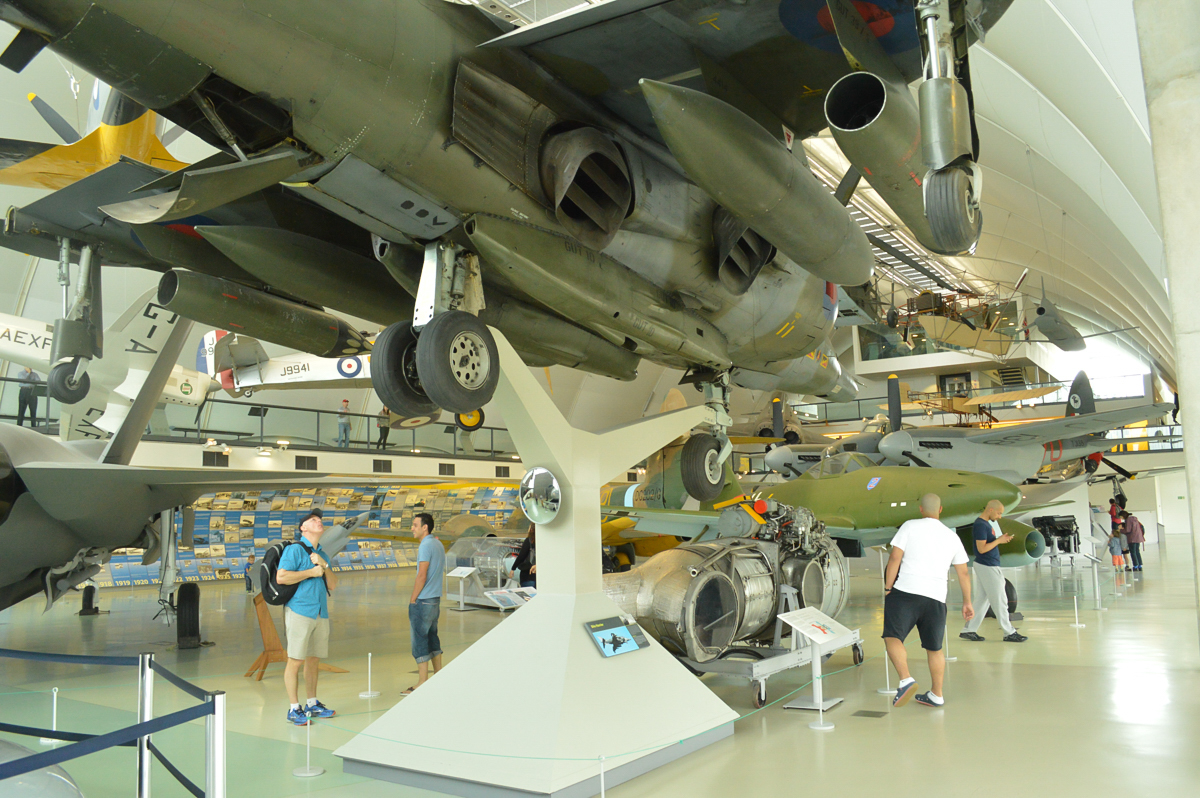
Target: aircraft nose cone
{"points": [[894, 444], [777, 458]]}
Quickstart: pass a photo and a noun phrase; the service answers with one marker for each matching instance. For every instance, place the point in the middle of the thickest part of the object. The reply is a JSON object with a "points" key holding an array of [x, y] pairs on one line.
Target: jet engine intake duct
{"points": [[1027, 546], [227, 305], [878, 127], [585, 176]]}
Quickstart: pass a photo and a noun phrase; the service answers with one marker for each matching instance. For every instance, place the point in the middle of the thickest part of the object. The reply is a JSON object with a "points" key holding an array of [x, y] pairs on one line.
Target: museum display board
{"points": [[229, 526]]}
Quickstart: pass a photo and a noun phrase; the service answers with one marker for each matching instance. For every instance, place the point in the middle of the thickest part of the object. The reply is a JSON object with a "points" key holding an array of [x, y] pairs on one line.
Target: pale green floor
{"points": [[1112, 709]]}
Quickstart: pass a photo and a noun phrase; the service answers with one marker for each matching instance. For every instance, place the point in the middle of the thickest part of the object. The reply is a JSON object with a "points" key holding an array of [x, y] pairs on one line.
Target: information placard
{"points": [[615, 636]]}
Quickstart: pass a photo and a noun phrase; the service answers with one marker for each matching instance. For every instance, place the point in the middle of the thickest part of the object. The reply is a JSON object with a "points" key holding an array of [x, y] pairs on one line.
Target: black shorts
{"points": [[902, 611]]}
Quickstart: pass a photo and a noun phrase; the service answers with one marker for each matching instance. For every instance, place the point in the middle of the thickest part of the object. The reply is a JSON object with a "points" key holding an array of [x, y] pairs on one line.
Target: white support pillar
{"points": [[569, 700], [1171, 71]]}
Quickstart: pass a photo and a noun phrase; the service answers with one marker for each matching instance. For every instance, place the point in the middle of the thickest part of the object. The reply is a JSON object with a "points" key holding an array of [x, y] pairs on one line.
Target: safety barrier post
{"points": [[214, 748], [145, 711]]}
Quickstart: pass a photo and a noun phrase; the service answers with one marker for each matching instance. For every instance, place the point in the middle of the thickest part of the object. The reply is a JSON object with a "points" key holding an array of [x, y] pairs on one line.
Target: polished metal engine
{"points": [[723, 587]]}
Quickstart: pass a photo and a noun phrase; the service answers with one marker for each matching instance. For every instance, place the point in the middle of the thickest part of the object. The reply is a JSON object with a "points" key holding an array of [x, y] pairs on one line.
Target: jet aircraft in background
{"points": [[1060, 332], [113, 382], [1013, 453], [580, 236]]}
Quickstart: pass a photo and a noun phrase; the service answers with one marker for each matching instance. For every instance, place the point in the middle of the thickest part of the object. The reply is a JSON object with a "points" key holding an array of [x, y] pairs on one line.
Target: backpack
{"points": [[273, 592]]}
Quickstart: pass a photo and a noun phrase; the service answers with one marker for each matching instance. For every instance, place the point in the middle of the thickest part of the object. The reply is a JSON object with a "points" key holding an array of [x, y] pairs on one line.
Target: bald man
{"points": [[915, 595], [989, 579]]}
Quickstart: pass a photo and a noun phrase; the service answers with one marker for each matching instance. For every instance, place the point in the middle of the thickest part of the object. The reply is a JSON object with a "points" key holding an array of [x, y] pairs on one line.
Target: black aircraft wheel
{"points": [[187, 615], [394, 372], [1010, 593], [469, 422], [702, 472], [893, 318], [63, 387], [954, 217], [760, 695], [458, 362], [856, 653]]}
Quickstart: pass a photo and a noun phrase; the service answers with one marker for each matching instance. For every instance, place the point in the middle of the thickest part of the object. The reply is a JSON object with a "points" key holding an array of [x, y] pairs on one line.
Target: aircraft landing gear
{"points": [[702, 461], [949, 141], [445, 357], [79, 334]]}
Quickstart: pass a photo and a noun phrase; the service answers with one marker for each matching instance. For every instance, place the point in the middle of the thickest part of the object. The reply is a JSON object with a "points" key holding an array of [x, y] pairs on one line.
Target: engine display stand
{"points": [[540, 662]]}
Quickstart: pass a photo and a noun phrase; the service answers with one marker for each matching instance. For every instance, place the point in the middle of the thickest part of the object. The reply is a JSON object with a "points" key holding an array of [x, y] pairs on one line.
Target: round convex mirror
{"points": [[540, 495]]}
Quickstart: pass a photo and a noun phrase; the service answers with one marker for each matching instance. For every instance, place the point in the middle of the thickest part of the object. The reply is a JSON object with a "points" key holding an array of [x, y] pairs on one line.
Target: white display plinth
{"points": [[531, 707]]}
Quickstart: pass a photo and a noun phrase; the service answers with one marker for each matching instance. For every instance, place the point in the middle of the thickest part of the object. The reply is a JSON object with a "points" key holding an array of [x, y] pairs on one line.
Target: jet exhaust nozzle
{"points": [[227, 305], [877, 125]]}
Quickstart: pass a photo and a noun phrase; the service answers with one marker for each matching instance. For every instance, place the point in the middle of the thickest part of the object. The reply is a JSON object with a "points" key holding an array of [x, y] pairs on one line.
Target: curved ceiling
{"points": [[1069, 188]]}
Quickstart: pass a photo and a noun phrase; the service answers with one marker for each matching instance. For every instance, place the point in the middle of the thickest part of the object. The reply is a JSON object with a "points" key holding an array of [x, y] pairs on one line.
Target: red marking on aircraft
{"points": [[879, 21]]}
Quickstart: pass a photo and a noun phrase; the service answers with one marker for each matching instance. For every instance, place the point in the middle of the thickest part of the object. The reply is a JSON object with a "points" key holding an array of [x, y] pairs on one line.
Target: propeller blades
{"points": [[916, 459], [1117, 468], [894, 410], [65, 130]]}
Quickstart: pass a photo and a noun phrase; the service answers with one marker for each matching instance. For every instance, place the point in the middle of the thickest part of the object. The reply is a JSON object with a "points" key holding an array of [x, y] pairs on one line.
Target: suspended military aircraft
{"points": [[241, 367], [113, 382], [1013, 453], [575, 231], [1060, 332]]}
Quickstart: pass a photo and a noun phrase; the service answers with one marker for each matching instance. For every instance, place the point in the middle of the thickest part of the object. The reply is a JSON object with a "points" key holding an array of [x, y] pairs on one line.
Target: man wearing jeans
{"points": [[425, 605], [989, 579], [1136, 534]]}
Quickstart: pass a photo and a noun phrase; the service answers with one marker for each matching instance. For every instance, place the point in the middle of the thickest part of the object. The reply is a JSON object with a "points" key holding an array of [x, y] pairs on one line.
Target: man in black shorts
{"points": [[915, 584]]}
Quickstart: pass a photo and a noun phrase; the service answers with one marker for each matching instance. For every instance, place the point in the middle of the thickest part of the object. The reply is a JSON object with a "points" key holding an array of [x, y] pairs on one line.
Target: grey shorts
{"points": [[306, 637]]}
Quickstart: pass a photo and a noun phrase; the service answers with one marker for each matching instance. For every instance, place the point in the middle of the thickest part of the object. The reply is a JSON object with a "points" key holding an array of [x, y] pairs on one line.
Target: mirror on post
{"points": [[540, 495]]}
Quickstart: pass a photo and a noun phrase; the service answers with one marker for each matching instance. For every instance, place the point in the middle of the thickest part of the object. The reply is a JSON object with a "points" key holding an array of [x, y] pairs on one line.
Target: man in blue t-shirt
{"points": [[306, 616], [425, 604], [989, 579]]}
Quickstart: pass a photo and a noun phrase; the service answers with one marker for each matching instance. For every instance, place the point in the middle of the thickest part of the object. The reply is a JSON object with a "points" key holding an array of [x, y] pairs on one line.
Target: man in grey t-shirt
{"points": [[425, 604]]}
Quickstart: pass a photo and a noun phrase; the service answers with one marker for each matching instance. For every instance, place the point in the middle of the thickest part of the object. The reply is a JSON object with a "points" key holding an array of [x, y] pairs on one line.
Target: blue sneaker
{"points": [[903, 694], [319, 710], [298, 717], [925, 700]]}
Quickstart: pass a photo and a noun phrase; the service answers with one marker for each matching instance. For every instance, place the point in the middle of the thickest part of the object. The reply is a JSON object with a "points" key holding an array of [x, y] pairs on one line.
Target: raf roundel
{"points": [[349, 367], [874, 481]]}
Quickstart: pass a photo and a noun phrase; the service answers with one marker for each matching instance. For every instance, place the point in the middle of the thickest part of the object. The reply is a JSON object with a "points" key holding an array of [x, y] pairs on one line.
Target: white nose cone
{"points": [[895, 444], [778, 459]]}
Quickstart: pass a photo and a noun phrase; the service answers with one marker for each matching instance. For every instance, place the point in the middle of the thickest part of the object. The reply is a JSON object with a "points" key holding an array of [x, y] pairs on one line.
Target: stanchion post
{"points": [[308, 771], [53, 718], [887, 674], [369, 693], [214, 748], [145, 712], [946, 644], [602, 777], [1077, 624], [1096, 584]]}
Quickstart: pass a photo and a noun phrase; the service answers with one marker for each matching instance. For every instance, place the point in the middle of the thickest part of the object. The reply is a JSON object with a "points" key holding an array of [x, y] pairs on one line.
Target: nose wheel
{"points": [[953, 210], [63, 385]]}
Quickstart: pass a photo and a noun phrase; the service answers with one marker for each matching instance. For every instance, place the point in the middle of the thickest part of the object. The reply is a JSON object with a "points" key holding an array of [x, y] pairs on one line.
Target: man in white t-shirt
{"points": [[915, 595]]}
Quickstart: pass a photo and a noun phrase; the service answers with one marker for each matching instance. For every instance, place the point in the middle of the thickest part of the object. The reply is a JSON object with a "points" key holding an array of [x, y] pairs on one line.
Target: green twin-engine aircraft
{"points": [[613, 184]]}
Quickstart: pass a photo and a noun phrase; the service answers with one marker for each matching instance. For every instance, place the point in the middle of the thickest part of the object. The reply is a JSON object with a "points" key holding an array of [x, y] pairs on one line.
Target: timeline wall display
{"points": [[231, 526]]}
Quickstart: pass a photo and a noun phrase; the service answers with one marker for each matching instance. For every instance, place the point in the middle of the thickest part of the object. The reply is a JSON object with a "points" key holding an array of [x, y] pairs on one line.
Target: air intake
{"points": [[741, 252]]}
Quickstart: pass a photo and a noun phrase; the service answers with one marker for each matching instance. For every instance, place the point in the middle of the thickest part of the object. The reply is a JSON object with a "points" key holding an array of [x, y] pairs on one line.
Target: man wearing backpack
{"points": [[306, 616]]}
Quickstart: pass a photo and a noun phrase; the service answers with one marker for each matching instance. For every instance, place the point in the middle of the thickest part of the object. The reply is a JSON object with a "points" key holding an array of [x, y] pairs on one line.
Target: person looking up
{"points": [[306, 616]]}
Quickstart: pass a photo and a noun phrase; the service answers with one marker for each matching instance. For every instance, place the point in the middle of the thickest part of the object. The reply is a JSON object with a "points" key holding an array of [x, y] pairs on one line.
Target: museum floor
{"points": [[1112, 709]]}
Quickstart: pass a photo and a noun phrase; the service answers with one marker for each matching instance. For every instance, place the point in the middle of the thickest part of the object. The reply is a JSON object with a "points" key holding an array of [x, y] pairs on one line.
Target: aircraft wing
{"points": [[1069, 427], [1009, 396], [773, 61], [97, 484], [690, 523]]}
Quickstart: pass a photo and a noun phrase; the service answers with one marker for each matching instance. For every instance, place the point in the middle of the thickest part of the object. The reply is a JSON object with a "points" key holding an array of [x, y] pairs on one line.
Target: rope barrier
{"points": [[187, 687], [71, 659], [99, 742], [183, 780]]}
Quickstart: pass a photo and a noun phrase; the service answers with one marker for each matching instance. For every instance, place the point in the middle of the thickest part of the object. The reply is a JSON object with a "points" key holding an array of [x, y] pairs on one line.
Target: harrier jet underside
{"points": [[451, 178]]}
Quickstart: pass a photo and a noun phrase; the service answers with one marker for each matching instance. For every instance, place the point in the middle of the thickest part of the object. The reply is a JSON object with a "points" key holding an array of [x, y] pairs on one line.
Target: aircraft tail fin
{"points": [[1080, 401]]}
